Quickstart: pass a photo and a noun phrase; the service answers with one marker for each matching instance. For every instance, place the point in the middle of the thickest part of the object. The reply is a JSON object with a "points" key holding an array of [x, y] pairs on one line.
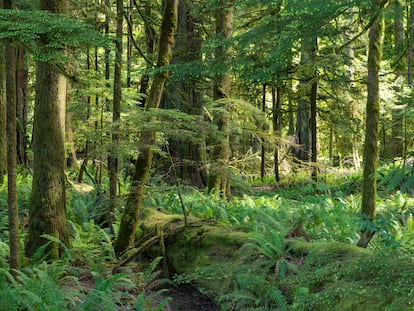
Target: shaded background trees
{"points": [[255, 89]]}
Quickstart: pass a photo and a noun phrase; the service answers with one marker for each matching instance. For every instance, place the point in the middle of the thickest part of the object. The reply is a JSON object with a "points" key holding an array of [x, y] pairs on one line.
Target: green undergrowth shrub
{"points": [[342, 277]]}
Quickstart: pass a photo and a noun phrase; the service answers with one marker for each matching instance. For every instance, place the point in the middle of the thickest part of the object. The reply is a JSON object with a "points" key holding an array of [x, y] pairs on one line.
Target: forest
{"points": [[206, 155]]}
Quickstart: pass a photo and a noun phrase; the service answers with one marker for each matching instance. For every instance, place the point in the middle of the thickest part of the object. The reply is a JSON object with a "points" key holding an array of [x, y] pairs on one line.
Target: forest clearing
{"points": [[206, 155]]}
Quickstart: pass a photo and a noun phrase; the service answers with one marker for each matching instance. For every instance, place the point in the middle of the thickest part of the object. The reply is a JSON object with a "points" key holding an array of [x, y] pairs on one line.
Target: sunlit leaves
{"points": [[54, 31]]}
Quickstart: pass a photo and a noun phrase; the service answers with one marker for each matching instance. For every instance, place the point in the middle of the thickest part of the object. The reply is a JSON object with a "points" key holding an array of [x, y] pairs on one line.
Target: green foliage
{"points": [[56, 31], [396, 177], [43, 287], [148, 282], [254, 292]]}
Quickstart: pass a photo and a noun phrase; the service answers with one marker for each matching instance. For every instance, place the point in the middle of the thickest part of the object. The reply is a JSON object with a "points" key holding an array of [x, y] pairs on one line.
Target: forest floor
{"points": [[187, 298]]}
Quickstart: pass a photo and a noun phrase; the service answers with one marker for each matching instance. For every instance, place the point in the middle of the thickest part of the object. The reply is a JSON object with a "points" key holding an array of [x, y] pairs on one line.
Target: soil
{"points": [[187, 298]]}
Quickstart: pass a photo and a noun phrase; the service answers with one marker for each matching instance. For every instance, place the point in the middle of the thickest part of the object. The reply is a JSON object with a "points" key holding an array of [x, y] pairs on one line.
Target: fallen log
{"points": [[330, 275]]}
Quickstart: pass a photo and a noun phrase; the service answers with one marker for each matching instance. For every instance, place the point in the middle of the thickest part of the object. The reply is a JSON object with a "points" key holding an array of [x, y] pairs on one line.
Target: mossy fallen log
{"points": [[329, 275]]}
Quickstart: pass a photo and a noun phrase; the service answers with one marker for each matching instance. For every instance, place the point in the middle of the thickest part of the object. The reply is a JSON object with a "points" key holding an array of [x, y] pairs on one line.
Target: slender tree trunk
{"points": [[129, 44], [396, 142], [130, 218], [277, 126], [369, 186], [48, 201], [22, 106], [116, 114], [263, 148], [313, 114], [3, 114], [150, 47], [14, 240], [410, 46]]}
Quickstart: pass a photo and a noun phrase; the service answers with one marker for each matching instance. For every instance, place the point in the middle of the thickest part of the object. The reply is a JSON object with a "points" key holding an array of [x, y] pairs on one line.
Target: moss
{"points": [[332, 275]]}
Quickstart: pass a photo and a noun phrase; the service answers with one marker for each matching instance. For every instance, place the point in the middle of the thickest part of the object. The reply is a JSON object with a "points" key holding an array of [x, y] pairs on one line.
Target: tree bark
{"points": [[277, 126], [22, 106], [3, 114], [116, 114], [313, 113], [263, 150], [220, 177], [186, 96], [13, 214], [396, 143], [369, 186], [48, 201], [130, 217], [302, 152]]}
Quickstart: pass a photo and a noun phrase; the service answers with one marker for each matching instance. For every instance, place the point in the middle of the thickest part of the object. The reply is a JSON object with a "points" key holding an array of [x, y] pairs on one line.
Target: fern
{"points": [[104, 296]]}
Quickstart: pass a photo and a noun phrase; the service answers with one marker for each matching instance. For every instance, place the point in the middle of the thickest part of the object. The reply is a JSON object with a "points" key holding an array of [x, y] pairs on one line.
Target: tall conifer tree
{"points": [[48, 201]]}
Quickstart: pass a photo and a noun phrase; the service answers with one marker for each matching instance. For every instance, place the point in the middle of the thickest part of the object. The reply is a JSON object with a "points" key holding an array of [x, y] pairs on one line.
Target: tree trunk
{"points": [[277, 126], [396, 142], [116, 114], [369, 186], [14, 241], [186, 96], [48, 201], [263, 149], [303, 132], [22, 106], [130, 218], [3, 113], [313, 114], [220, 177], [150, 48], [410, 46]]}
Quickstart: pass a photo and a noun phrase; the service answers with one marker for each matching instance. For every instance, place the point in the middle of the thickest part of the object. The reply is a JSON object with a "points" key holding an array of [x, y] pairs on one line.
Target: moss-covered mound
{"points": [[326, 275], [337, 276]]}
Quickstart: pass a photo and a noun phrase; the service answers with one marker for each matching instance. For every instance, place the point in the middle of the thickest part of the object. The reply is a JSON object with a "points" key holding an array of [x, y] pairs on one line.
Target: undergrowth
{"points": [[325, 211]]}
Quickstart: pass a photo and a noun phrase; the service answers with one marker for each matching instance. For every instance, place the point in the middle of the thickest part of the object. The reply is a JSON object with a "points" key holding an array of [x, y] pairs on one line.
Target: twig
{"points": [[143, 247]]}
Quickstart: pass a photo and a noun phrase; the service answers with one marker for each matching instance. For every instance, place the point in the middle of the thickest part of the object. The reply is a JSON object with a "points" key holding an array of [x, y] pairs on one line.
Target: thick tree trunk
{"points": [[220, 177], [13, 215], [48, 201], [130, 218], [302, 152], [116, 114], [186, 96], [369, 186]]}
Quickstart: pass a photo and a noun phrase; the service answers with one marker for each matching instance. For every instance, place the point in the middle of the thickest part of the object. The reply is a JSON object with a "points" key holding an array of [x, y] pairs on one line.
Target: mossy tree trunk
{"points": [[396, 142], [369, 187], [3, 136], [11, 62], [48, 201], [150, 43], [116, 114], [219, 179], [130, 217]]}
